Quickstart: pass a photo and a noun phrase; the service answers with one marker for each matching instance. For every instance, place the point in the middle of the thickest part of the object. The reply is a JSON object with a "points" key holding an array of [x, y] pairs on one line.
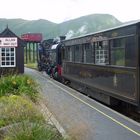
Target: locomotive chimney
{"points": [[62, 38]]}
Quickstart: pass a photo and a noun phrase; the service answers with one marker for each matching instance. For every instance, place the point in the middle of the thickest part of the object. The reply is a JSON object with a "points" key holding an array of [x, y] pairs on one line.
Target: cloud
{"points": [[61, 10]]}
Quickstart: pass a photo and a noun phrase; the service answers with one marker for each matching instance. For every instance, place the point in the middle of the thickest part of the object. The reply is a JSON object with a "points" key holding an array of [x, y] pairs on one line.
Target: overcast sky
{"points": [[61, 10]]}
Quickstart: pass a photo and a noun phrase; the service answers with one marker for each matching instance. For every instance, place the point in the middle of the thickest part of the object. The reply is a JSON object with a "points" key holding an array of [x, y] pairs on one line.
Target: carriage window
{"points": [[118, 52], [70, 59], [101, 52], [88, 53], [67, 53], [130, 52], [78, 53]]}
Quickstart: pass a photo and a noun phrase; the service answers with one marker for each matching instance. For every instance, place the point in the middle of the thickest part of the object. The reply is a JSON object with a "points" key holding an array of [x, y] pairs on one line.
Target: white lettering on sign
{"points": [[8, 42]]}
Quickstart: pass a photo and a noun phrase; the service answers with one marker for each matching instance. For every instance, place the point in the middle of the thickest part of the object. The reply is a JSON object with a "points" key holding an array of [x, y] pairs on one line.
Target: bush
{"points": [[35, 131], [18, 85], [14, 109]]}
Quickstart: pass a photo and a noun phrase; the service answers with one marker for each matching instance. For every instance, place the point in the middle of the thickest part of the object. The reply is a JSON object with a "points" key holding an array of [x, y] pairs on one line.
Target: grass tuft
{"points": [[15, 109], [35, 131]]}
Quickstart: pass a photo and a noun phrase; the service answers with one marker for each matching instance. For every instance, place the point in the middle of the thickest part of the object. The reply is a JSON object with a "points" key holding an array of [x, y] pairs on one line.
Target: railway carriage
{"points": [[105, 65]]}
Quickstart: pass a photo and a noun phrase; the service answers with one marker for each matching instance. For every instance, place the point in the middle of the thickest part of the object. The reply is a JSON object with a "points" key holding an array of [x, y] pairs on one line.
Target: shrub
{"points": [[18, 85]]}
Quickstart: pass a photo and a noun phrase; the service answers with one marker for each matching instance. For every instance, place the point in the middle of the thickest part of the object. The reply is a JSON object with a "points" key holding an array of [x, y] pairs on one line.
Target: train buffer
{"points": [[82, 117]]}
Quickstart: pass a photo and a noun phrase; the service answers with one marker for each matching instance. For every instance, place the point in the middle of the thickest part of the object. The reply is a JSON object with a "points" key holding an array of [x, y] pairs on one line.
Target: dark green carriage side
{"points": [[105, 64]]}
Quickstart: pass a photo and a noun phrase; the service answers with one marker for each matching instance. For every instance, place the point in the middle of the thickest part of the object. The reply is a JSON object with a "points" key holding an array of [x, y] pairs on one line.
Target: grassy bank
{"points": [[20, 117], [31, 65]]}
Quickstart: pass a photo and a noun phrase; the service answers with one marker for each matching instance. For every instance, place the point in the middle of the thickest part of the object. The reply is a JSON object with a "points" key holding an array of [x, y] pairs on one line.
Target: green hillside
{"points": [[75, 27], [88, 24], [20, 26]]}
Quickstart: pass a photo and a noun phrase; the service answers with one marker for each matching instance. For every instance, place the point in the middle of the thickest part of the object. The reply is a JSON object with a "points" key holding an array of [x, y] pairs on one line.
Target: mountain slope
{"points": [[88, 24], [75, 27], [20, 26]]}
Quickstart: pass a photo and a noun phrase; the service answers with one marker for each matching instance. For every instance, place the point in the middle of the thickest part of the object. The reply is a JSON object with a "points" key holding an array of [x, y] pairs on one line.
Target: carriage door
{"points": [[101, 53]]}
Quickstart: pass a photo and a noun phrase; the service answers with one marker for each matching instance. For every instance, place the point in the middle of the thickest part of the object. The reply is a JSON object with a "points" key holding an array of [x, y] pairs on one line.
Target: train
{"points": [[104, 65]]}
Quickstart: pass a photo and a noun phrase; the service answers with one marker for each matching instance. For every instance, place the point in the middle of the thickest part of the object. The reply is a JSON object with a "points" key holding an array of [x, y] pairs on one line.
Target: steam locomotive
{"points": [[104, 65], [50, 57]]}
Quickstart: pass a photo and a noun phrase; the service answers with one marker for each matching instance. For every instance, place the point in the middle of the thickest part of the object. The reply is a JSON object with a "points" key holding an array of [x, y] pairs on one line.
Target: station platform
{"points": [[81, 117]]}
